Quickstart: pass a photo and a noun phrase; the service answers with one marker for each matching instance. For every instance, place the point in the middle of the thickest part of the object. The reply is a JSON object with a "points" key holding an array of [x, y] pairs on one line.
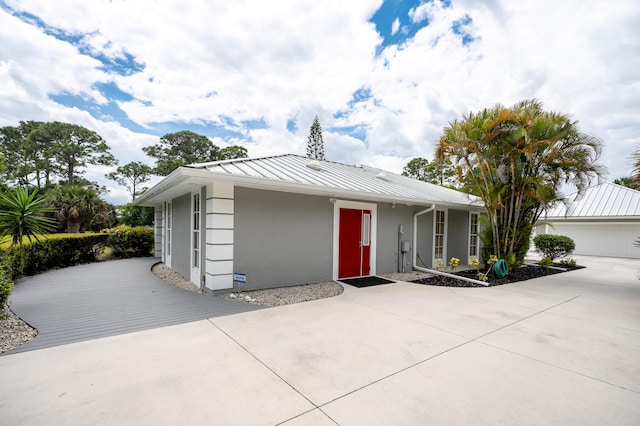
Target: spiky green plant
{"points": [[21, 216]]}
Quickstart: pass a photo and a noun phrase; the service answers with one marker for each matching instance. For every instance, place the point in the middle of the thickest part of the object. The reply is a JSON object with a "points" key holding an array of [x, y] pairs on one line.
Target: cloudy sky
{"points": [[384, 77]]}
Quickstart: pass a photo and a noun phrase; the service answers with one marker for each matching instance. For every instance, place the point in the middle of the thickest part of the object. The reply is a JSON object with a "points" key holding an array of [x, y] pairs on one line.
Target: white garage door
{"points": [[611, 240]]}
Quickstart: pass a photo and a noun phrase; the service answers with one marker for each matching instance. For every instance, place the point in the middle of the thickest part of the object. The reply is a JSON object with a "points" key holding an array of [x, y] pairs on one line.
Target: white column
{"points": [[219, 236]]}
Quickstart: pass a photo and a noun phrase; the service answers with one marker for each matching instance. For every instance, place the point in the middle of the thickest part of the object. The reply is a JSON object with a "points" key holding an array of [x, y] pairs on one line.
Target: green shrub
{"points": [[554, 246], [127, 241], [40, 256], [6, 283], [546, 262], [568, 263]]}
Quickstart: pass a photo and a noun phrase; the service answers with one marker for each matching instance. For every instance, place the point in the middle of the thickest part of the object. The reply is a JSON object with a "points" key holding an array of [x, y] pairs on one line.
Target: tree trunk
{"points": [[73, 226]]}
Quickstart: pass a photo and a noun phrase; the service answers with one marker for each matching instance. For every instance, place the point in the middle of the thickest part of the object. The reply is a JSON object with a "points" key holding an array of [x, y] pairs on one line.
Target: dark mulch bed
{"points": [[527, 272]]}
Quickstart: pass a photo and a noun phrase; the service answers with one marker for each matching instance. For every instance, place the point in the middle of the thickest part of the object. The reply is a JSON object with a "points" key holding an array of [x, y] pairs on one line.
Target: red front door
{"points": [[354, 257]]}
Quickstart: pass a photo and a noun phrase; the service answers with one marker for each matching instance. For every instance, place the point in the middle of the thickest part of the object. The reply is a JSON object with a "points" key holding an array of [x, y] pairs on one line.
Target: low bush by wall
{"points": [[554, 246]]}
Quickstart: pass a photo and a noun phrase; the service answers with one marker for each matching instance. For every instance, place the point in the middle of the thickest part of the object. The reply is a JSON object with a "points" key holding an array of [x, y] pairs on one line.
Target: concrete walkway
{"points": [[558, 350], [106, 299]]}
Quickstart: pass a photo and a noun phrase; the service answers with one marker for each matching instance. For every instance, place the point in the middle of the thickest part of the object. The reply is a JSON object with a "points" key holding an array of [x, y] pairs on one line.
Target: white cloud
{"points": [[228, 62], [395, 26]]}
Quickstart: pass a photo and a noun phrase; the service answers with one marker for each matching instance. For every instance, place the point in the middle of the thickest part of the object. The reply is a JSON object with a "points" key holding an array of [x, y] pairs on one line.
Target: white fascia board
{"points": [[616, 219]]}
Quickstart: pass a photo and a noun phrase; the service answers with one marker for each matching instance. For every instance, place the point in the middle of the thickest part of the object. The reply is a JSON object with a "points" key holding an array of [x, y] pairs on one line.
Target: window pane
{"points": [[366, 229]]}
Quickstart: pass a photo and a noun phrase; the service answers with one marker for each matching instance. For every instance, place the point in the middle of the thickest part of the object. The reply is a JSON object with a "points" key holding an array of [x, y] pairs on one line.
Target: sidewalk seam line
{"points": [[444, 352], [557, 367], [274, 373]]}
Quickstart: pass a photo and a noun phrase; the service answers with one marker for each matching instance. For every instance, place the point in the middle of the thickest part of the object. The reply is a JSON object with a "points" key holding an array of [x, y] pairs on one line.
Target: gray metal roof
{"points": [[297, 173], [605, 200]]}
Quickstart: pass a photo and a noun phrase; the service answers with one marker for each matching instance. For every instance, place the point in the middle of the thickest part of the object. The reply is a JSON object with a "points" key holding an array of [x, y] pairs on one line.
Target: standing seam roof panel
{"points": [[294, 169]]}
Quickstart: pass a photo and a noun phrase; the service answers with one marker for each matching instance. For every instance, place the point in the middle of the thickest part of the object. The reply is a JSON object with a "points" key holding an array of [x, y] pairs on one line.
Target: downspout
{"points": [[433, 271]]}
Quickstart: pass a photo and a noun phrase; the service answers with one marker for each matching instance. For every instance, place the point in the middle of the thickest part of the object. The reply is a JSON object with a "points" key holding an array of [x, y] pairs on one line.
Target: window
{"points": [[366, 229], [473, 235], [168, 251], [438, 246], [196, 230]]}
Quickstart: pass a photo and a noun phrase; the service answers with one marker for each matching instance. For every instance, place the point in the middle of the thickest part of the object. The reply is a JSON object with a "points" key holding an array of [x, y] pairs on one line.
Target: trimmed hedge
{"points": [[554, 246], [6, 283], [127, 241], [40, 256]]}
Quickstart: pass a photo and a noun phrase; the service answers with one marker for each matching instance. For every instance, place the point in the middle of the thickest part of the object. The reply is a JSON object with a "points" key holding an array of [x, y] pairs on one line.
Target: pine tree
{"points": [[315, 144]]}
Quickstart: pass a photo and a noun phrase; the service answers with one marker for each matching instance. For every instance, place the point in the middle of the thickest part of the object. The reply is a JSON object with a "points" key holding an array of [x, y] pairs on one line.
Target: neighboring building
{"points": [[603, 220], [287, 220]]}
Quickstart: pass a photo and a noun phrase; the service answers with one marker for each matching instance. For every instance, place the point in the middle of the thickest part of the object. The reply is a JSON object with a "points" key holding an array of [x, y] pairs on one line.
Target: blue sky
{"points": [[384, 77]]}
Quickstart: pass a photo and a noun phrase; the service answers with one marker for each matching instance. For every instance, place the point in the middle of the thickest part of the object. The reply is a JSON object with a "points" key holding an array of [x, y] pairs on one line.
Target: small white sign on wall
{"points": [[239, 278]]}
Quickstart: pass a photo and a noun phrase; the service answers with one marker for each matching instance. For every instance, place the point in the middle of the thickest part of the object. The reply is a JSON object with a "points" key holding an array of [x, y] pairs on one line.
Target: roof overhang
{"points": [[184, 180]]}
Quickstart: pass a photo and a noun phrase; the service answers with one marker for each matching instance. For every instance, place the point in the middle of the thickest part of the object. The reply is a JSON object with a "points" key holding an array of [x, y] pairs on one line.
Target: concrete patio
{"points": [[557, 350]]}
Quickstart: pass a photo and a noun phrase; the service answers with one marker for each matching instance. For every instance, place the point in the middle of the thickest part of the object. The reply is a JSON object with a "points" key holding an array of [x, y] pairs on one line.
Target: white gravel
{"points": [[269, 297], [163, 272], [13, 331], [287, 295]]}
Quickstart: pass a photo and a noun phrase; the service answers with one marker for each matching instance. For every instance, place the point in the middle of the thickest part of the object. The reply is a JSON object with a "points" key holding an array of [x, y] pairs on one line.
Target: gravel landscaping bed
{"points": [[163, 272], [269, 297], [13, 331], [287, 295]]}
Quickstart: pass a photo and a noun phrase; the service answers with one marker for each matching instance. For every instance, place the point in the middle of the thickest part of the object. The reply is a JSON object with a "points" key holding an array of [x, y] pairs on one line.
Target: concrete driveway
{"points": [[558, 350]]}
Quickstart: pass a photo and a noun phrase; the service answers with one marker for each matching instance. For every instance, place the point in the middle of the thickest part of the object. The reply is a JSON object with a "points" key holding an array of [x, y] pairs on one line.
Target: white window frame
{"points": [[196, 237], [366, 229], [168, 232], [444, 236], [472, 235]]}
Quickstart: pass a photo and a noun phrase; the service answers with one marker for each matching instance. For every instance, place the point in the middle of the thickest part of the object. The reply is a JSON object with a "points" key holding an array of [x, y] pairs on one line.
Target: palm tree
{"points": [[21, 215], [636, 167], [516, 159], [75, 205]]}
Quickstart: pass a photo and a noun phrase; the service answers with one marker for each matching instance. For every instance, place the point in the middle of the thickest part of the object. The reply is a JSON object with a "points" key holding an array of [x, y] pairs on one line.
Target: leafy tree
{"points": [[3, 164], [629, 182], [516, 159], [186, 147], [78, 206], [21, 215], [72, 148], [315, 144], [233, 151], [131, 176], [435, 172], [131, 215], [23, 158]]}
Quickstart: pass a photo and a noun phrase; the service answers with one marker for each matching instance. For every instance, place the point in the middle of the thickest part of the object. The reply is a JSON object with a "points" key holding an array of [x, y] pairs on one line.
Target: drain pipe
{"points": [[415, 253]]}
